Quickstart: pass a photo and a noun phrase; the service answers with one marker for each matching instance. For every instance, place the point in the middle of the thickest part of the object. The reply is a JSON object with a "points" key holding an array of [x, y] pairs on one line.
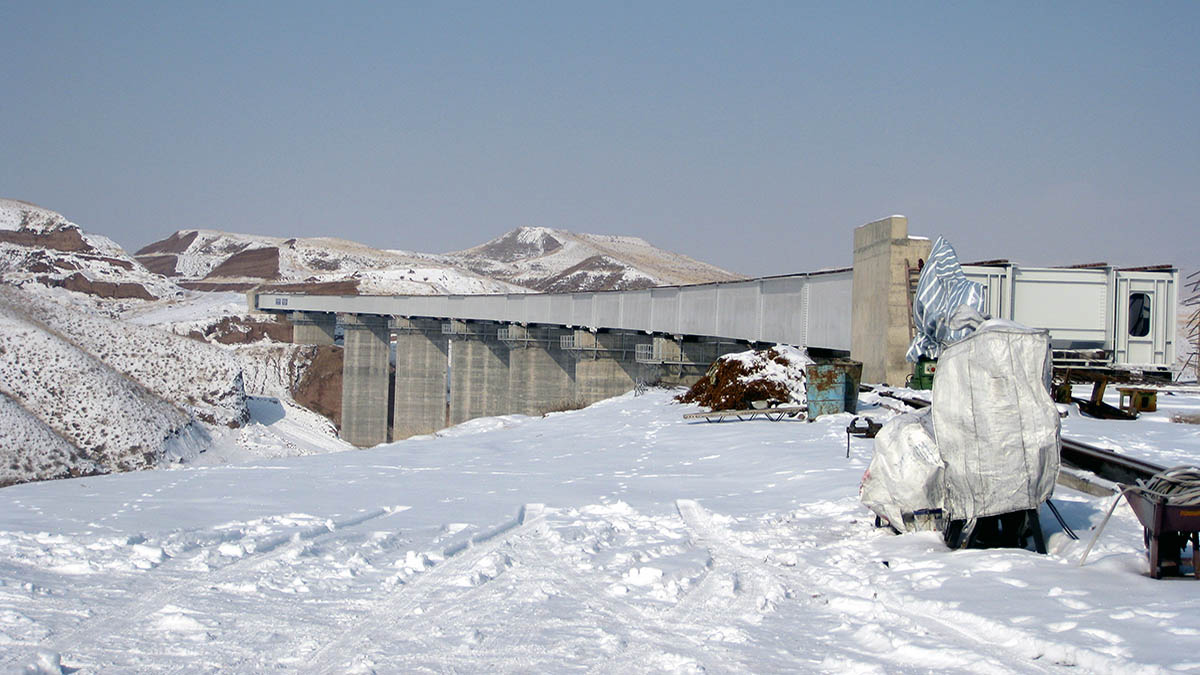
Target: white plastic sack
{"points": [[904, 482], [996, 425]]}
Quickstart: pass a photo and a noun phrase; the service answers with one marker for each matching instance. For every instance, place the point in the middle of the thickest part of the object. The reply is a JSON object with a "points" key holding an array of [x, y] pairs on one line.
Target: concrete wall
{"points": [[879, 299], [365, 380]]}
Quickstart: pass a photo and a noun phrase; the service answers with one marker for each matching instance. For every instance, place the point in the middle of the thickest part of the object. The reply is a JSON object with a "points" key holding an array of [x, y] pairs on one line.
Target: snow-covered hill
{"points": [[615, 539], [553, 260], [40, 249], [525, 259]]}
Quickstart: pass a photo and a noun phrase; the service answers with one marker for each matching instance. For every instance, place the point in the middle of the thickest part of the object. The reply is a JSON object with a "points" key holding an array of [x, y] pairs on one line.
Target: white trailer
{"points": [[1097, 315]]}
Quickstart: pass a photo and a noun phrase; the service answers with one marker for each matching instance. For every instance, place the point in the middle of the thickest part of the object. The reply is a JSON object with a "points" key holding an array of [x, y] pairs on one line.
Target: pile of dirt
{"points": [[320, 390], [738, 381]]}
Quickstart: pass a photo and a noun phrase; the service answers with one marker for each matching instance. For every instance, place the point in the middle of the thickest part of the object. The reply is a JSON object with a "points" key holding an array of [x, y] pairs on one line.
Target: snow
{"points": [[616, 538], [15, 214]]}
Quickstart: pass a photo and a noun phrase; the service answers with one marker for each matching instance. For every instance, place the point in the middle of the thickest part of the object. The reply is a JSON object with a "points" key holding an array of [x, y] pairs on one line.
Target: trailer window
{"points": [[1139, 314]]}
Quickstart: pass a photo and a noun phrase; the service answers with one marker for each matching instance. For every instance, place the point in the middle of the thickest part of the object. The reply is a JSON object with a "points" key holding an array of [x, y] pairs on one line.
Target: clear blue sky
{"points": [[751, 135]]}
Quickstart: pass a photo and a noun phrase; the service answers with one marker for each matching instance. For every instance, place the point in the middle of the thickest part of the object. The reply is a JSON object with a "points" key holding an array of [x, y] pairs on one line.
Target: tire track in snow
{"points": [[116, 621], [644, 635], [677, 632], [339, 654], [959, 630]]}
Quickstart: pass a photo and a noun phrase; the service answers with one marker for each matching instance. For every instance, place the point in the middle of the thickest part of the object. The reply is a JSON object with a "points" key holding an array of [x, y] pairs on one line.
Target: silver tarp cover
{"points": [[905, 476], [941, 289], [989, 444], [996, 425]]}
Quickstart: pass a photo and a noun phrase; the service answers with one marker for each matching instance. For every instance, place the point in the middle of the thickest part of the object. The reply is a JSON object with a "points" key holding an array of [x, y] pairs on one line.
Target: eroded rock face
{"points": [[68, 240], [258, 263], [103, 289], [320, 388], [176, 243]]}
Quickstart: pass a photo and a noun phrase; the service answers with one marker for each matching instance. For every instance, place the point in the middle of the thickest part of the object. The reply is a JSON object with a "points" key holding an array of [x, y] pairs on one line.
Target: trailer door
{"points": [[1145, 319]]}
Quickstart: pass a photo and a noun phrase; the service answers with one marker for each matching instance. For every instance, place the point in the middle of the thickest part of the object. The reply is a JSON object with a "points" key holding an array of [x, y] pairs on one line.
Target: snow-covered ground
{"points": [[617, 538]]}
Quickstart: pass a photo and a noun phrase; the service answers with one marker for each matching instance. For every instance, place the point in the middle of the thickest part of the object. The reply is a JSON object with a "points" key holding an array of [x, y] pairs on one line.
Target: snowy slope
{"points": [[617, 538], [87, 393], [92, 417]]}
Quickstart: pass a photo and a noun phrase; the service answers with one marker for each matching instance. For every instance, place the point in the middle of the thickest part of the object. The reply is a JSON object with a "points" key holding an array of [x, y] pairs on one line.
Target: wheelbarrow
{"points": [[1168, 507], [1169, 527]]}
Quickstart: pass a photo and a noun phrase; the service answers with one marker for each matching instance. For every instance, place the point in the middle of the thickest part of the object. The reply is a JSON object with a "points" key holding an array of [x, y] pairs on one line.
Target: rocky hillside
{"points": [[40, 248], [83, 394], [526, 259]]}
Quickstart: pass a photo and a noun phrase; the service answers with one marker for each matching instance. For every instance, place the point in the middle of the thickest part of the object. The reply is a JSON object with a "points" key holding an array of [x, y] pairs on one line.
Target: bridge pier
{"points": [[606, 364], [365, 379], [312, 328], [478, 371], [541, 374], [420, 403]]}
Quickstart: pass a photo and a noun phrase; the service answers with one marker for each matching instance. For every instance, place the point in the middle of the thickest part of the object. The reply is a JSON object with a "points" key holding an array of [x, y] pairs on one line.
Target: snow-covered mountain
{"points": [[553, 260], [39, 248], [528, 258]]}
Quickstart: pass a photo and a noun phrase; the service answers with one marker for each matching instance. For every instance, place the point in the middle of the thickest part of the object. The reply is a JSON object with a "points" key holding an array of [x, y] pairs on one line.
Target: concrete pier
{"points": [[312, 328], [419, 403], [541, 375], [478, 371], [365, 379], [606, 364]]}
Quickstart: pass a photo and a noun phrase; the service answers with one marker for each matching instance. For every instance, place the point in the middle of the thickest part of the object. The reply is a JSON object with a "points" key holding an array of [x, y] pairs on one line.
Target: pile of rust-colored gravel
{"points": [[769, 377]]}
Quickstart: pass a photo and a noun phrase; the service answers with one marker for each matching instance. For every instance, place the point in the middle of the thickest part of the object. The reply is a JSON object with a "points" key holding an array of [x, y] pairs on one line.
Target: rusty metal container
{"points": [[832, 387]]}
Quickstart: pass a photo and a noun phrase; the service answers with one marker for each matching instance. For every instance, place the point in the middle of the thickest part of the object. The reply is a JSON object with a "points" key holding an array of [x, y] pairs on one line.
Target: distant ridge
{"points": [[522, 260]]}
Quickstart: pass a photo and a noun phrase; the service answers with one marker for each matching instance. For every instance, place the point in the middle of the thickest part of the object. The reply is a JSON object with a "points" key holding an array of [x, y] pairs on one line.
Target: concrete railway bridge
{"points": [[458, 357], [461, 357]]}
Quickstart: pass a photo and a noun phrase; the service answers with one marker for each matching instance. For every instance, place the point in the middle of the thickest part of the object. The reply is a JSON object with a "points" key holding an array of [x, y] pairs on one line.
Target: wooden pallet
{"points": [[773, 414]]}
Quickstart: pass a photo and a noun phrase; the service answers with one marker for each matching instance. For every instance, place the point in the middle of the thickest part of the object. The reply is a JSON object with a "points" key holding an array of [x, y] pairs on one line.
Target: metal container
{"points": [[832, 387], [923, 371]]}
